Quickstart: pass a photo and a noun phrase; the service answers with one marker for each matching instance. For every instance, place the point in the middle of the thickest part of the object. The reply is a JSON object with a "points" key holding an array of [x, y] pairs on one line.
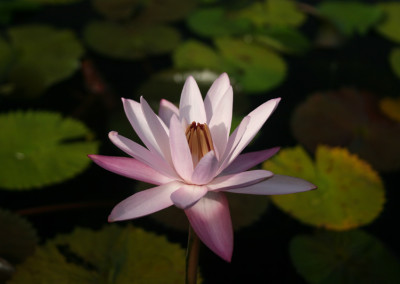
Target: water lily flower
{"points": [[193, 161]]}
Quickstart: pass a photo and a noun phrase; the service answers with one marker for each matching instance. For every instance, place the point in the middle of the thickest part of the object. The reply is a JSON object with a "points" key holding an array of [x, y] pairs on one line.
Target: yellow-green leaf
{"points": [[389, 27], [394, 59], [350, 193], [112, 255]]}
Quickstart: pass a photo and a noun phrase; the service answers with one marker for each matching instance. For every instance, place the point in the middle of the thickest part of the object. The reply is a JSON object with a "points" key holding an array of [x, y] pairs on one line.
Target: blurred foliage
{"points": [[111, 255], [391, 107], [344, 257], [389, 27], [361, 127], [42, 148], [18, 240], [131, 40], [351, 17], [9, 7], [350, 193], [37, 57], [394, 59]]}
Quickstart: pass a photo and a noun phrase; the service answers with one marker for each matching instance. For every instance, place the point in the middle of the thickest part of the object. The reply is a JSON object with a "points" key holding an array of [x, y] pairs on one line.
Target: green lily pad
{"points": [[40, 148], [389, 27], [43, 56], [130, 41], [361, 127], [351, 17], [212, 22], [18, 238], [255, 68], [391, 107], [394, 59], [344, 257], [196, 55], [111, 255], [116, 9], [285, 39], [350, 193], [274, 13], [165, 11]]}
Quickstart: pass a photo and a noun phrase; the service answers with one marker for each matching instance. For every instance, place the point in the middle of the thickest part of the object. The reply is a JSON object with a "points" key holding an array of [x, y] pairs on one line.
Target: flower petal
{"points": [[142, 154], [239, 180], [180, 152], [211, 220], [130, 168], [158, 130], [167, 110], [191, 106], [136, 117], [248, 160], [206, 169], [257, 119], [188, 195], [215, 94], [278, 184], [144, 202], [220, 123]]}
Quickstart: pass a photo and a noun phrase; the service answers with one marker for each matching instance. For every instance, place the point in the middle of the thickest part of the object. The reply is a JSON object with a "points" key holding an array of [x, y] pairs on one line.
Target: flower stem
{"points": [[192, 257]]}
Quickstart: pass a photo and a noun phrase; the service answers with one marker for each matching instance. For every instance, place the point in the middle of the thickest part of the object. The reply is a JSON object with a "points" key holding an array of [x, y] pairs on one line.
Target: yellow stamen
{"points": [[199, 139]]}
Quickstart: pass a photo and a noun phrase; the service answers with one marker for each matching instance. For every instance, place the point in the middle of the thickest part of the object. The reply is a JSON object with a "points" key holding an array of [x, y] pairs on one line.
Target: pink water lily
{"points": [[193, 161]]}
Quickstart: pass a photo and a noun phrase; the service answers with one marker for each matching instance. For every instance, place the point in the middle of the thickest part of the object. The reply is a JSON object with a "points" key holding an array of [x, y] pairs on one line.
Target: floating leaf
{"points": [[389, 27], [43, 57], [344, 257], [213, 22], [391, 107], [361, 127], [284, 39], [165, 11], [18, 239], [41, 148], [351, 17], [350, 193], [196, 55], [111, 255], [130, 41], [274, 13], [255, 68], [116, 9], [394, 59]]}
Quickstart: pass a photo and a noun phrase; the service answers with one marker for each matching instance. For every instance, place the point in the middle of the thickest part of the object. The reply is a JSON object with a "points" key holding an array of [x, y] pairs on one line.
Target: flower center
{"points": [[199, 139]]}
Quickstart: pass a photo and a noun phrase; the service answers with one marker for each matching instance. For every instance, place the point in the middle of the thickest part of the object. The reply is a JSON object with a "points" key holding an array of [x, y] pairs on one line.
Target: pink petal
{"points": [[130, 168], [188, 195], [157, 129], [215, 94], [144, 202], [220, 123], [248, 160], [206, 169], [191, 106], [239, 180], [278, 184], [180, 152], [211, 220], [233, 141], [136, 117], [257, 119], [167, 110], [142, 154]]}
